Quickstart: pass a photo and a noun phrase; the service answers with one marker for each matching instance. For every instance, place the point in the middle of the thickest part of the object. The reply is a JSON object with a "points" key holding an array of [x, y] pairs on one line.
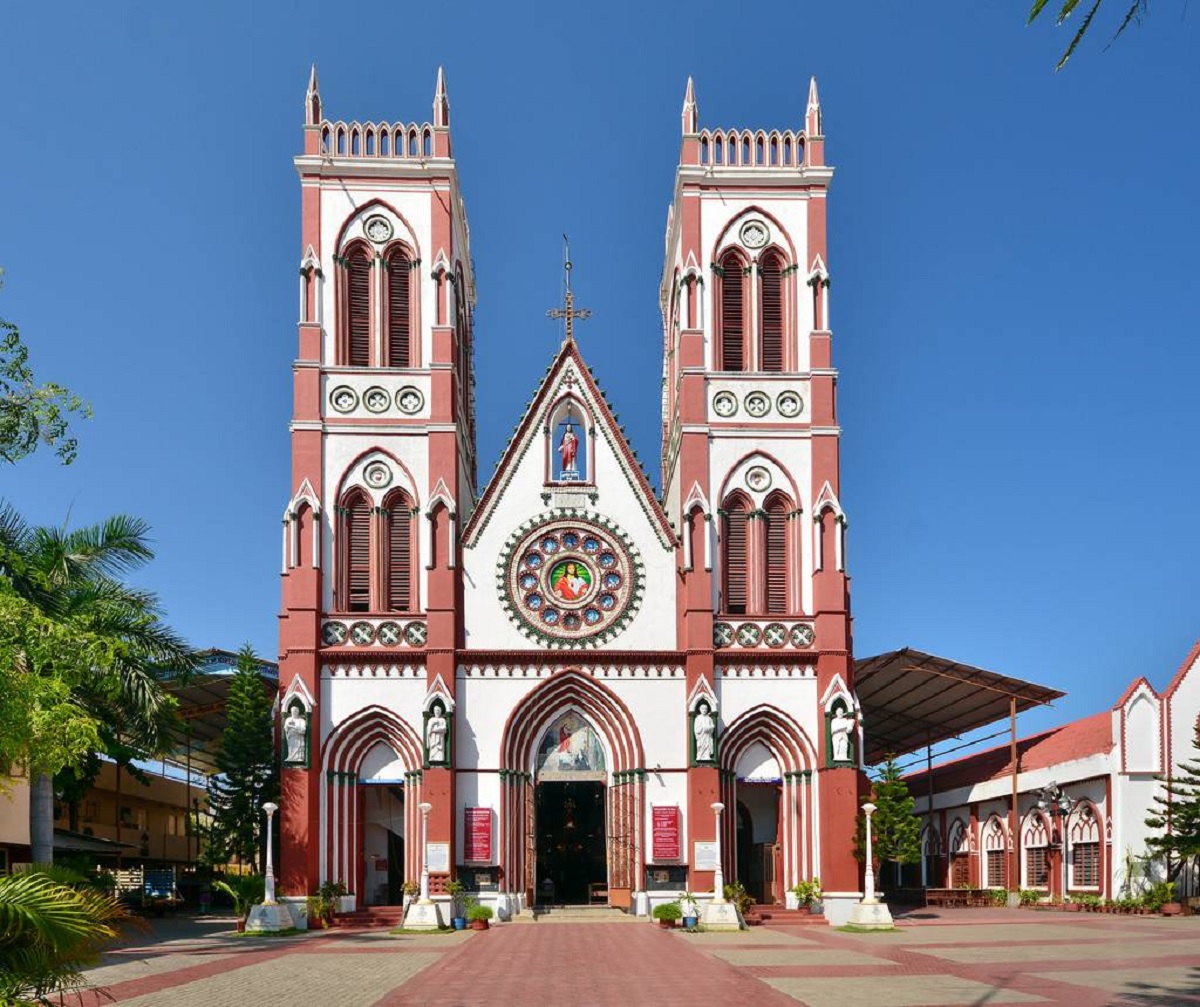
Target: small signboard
{"points": [[438, 855], [477, 829], [666, 833], [704, 856], [381, 864]]}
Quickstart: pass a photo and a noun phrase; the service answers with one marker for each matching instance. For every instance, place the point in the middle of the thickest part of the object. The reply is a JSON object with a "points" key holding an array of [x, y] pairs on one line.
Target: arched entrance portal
{"points": [[571, 795], [569, 813]]}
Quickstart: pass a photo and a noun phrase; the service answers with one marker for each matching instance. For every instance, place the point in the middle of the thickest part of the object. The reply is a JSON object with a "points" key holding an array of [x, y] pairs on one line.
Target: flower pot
{"points": [[460, 922], [1171, 908], [804, 910], [1074, 907], [479, 924], [667, 924], [690, 922], [241, 926]]}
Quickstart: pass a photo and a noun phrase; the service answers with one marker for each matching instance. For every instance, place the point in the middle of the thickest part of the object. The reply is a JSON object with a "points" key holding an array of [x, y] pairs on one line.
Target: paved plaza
{"points": [[949, 957]]}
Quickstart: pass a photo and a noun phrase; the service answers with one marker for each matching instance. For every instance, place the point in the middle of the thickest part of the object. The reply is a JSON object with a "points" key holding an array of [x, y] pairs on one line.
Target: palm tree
{"points": [[73, 576], [51, 928]]}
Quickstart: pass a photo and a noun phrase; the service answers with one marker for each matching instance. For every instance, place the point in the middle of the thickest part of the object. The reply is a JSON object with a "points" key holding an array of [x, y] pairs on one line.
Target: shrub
{"points": [[1028, 897], [478, 912], [807, 892], [668, 911], [737, 894], [998, 896]]}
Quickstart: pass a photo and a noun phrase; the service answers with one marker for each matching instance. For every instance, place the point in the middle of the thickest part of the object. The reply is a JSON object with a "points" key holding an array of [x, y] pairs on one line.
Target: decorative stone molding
{"points": [[373, 632], [769, 635]]}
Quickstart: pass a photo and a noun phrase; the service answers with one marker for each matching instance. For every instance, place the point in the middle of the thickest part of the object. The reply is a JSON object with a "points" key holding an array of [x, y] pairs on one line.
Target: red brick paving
{"points": [[584, 965]]}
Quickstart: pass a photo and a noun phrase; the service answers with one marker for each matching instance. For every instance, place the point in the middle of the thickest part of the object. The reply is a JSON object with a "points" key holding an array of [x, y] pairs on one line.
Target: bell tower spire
{"points": [[312, 100], [691, 114]]}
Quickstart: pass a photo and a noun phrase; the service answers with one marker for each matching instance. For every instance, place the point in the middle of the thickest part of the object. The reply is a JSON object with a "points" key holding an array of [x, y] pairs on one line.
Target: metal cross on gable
{"points": [[568, 310]]}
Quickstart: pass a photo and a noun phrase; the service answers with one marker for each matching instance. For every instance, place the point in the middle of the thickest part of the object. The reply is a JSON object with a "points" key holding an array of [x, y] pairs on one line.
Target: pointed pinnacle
{"points": [[312, 79], [440, 90], [689, 96], [813, 101]]}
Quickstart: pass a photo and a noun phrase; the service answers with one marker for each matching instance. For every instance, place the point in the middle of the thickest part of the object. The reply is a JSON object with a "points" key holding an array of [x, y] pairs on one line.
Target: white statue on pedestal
{"points": [[295, 730], [435, 735], [704, 729], [841, 727]]}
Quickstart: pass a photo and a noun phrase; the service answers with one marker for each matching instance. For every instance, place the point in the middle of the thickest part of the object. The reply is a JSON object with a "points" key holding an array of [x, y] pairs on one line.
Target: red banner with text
{"points": [[478, 833], [666, 833]]}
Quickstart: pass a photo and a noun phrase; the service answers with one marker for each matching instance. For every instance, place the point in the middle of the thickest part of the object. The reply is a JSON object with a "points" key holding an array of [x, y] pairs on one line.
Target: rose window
{"points": [[570, 581]]}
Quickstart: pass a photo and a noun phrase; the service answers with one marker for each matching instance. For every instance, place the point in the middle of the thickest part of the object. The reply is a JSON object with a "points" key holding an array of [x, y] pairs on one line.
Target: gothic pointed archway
{"points": [[368, 738], [566, 694], [771, 740]]}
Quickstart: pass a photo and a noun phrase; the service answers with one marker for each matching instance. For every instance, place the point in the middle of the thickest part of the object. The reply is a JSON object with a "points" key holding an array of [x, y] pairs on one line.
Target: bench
{"points": [[598, 892]]}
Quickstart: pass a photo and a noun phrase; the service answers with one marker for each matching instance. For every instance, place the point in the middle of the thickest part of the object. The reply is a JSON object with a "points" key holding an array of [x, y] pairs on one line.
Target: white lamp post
{"points": [[269, 881], [718, 874], [869, 872], [425, 807]]}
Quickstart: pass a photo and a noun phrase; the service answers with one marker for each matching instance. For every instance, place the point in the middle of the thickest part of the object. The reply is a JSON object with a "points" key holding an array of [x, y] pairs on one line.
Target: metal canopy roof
{"points": [[911, 699], [203, 698]]}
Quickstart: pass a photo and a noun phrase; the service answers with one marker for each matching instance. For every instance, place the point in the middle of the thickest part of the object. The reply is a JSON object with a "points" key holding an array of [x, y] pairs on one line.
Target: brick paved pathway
{"points": [[971, 958]]}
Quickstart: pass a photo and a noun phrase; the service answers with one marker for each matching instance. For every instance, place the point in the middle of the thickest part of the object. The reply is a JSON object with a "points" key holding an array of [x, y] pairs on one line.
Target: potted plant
{"points": [[409, 891], [458, 903], [667, 914], [737, 894], [690, 910], [1072, 904], [479, 916], [806, 892]]}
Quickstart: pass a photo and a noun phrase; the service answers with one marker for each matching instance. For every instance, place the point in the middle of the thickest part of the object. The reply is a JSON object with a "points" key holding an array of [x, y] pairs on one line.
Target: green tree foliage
{"points": [[32, 414], [248, 768], [1176, 814], [895, 830], [52, 927], [1133, 12], [85, 654]]}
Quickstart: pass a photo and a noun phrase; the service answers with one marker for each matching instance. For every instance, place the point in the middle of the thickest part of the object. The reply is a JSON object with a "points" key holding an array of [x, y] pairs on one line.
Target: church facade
{"points": [[561, 687]]}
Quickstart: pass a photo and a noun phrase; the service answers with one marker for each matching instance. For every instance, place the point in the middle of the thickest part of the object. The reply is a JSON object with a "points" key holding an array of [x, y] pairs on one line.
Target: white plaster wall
{"points": [[666, 789], [343, 697], [476, 790], [411, 449], [717, 209], [1066, 774], [796, 696], [1143, 742], [1185, 708], [412, 222], [653, 627]]}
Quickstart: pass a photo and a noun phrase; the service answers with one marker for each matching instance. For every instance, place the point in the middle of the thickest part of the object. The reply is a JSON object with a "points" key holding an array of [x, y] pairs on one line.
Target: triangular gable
{"points": [[298, 690], [1135, 686], [1192, 661], [439, 693], [702, 690], [530, 428], [827, 500]]}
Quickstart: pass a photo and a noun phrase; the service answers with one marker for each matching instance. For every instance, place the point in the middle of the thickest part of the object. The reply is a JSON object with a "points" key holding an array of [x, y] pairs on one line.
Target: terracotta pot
{"points": [[804, 910], [667, 924], [241, 926], [479, 924], [1172, 908]]}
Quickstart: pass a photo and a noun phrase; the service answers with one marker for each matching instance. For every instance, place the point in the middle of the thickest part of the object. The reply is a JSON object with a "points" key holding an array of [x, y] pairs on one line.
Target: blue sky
{"points": [[1012, 252]]}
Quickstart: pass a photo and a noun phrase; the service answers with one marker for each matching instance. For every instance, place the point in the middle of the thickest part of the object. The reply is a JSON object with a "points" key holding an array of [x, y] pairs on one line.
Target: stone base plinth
{"points": [[270, 919], [871, 915], [422, 916], [721, 916], [297, 905]]}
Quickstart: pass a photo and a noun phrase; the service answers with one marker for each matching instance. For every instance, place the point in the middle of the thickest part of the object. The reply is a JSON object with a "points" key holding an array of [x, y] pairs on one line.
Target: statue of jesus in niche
{"points": [[568, 449]]}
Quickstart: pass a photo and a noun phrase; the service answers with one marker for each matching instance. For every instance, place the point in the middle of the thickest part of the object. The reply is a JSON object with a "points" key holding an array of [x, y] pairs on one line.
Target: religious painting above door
{"points": [[570, 750], [570, 581]]}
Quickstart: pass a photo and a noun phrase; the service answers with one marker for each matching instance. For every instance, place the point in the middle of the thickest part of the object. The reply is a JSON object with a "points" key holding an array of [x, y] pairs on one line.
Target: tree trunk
{"points": [[41, 819]]}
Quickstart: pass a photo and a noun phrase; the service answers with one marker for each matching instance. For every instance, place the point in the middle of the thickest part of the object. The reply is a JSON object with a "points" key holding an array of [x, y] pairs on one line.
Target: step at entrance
{"points": [[581, 914]]}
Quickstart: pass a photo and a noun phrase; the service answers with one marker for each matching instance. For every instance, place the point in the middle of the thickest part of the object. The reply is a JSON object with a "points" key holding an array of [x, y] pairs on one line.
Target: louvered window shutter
{"points": [[777, 559], [358, 546], [735, 562], [358, 284], [771, 301], [399, 312], [399, 570], [733, 322]]}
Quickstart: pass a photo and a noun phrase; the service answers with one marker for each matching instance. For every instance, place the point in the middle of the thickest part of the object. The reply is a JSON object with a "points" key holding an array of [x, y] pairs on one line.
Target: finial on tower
{"points": [[568, 310], [812, 118], [312, 100], [691, 114], [441, 104]]}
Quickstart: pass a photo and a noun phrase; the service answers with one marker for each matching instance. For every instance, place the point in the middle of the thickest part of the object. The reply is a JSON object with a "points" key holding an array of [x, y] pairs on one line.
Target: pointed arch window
{"points": [[735, 556], [777, 566], [358, 307], [399, 553], [770, 307], [356, 559], [399, 309], [732, 291]]}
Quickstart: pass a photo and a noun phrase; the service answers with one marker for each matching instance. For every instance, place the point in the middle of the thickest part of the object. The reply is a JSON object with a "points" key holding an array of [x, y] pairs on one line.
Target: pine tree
{"points": [[1177, 815], [895, 830], [248, 769]]}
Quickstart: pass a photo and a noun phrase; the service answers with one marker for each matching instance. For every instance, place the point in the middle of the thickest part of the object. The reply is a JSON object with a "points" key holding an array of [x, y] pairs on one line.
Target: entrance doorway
{"points": [[571, 842], [383, 844]]}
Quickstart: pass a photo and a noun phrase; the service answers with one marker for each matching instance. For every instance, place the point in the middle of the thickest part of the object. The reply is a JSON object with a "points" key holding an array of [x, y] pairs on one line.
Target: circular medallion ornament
{"points": [[570, 580], [758, 479], [803, 635], [362, 634], [344, 399], [722, 634], [775, 634], [390, 633], [724, 404], [377, 475], [749, 635], [410, 400], [378, 229], [376, 399], [753, 234], [789, 404], [333, 634], [757, 404]]}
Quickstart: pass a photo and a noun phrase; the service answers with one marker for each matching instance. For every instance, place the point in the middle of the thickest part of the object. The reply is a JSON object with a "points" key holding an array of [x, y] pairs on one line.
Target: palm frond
{"points": [[1035, 10], [1135, 8], [1068, 9], [1078, 35], [34, 908]]}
